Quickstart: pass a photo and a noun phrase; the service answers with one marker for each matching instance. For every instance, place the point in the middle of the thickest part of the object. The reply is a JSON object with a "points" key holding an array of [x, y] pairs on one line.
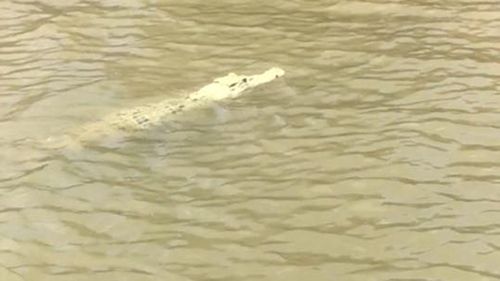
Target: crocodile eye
{"points": [[232, 85]]}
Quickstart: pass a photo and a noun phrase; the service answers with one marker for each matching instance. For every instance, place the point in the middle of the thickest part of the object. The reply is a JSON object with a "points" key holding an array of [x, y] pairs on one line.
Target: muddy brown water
{"points": [[375, 158]]}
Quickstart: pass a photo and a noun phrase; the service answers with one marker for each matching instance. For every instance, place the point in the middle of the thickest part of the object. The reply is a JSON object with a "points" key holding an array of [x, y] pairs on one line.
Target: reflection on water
{"points": [[376, 158]]}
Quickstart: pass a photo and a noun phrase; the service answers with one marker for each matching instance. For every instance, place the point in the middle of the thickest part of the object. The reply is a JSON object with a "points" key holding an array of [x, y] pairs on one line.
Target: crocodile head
{"points": [[232, 85]]}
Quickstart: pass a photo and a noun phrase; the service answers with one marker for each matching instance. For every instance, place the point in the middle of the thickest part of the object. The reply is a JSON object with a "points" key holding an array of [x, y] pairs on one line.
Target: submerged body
{"points": [[143, 117]]}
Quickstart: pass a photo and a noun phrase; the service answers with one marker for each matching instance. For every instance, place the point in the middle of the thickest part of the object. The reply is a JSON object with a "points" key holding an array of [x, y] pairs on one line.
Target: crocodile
{"points": [[146, 116]]}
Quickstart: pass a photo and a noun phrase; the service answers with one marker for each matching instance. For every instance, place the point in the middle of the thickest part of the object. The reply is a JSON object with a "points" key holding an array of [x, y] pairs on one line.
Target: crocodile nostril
{"points": [[244, 80]]}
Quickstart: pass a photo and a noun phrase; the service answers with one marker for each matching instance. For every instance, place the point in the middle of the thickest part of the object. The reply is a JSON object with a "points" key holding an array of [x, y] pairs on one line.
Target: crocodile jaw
{"points": [[232, 85], [268, 76]]}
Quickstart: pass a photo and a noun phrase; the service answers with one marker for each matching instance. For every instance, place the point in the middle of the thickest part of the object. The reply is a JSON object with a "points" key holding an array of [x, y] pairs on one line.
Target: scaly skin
{"points": [[144, 117]]}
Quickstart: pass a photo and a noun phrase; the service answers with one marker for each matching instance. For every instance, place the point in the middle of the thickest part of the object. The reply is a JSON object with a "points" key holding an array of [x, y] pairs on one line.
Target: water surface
{"points": [[375, 158]]}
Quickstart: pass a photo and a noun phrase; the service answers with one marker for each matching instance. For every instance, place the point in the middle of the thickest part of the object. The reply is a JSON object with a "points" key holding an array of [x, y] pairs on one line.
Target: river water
{"points": [[376, 157]]}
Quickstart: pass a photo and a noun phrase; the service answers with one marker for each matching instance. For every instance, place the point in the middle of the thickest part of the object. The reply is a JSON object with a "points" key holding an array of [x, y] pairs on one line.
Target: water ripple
{"points": [[374, 158]]}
